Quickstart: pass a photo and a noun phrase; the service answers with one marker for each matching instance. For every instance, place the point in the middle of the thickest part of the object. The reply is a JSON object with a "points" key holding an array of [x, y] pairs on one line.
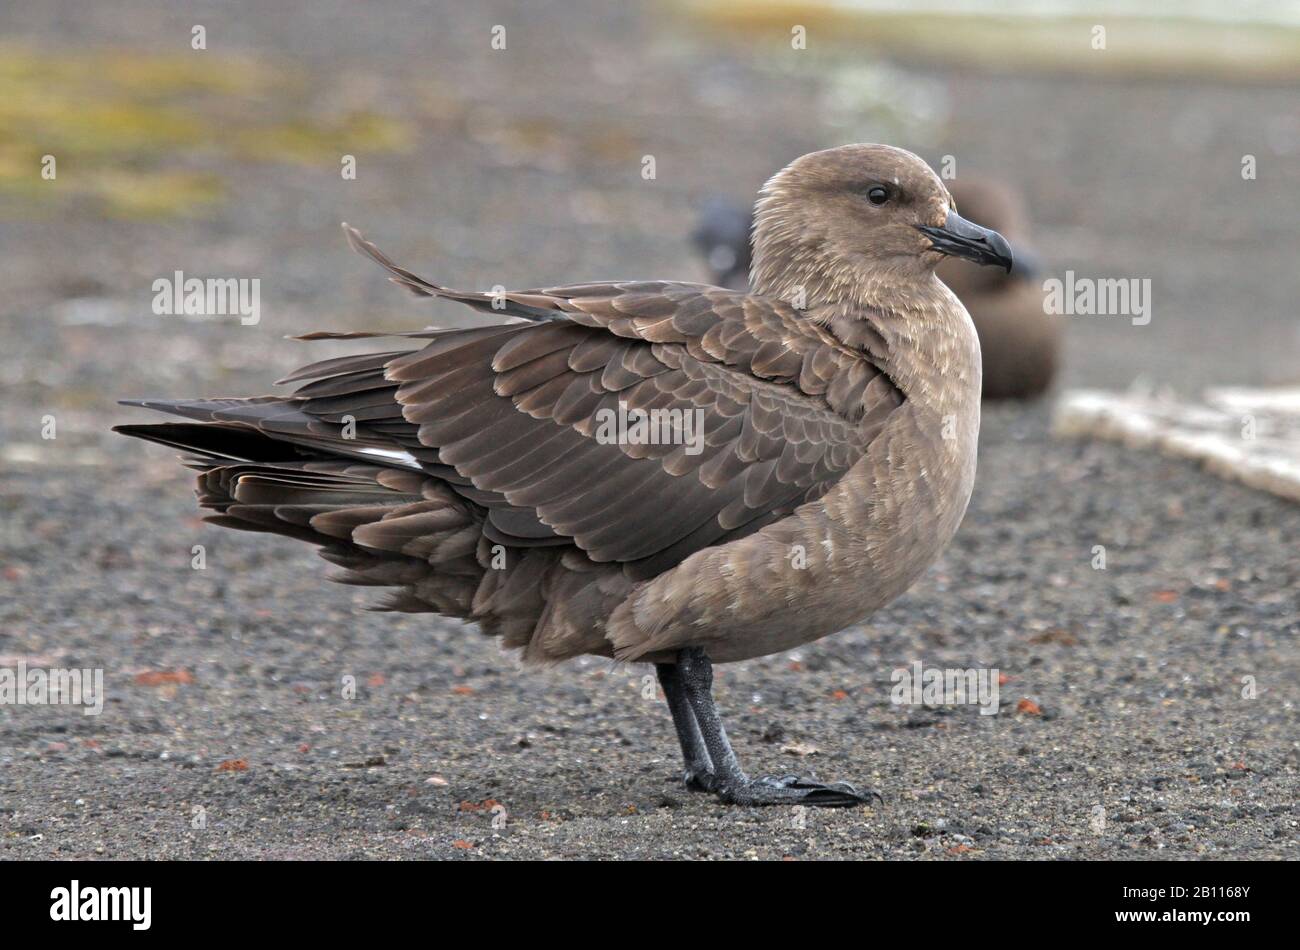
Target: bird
{"points": [[1019, 339], [722, 236], [836, 407]]}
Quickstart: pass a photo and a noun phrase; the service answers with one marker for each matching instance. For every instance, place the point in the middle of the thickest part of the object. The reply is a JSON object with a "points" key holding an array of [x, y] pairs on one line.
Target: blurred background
{"points": [[523, 166]]}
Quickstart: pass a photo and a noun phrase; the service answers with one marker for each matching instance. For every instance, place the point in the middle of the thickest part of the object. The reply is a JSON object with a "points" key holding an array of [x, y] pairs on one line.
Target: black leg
{"points": [[695, 672], [699, 768]]}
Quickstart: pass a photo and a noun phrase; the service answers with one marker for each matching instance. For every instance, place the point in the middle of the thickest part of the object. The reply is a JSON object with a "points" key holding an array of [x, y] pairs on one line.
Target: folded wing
{"points": [[531, 427]]}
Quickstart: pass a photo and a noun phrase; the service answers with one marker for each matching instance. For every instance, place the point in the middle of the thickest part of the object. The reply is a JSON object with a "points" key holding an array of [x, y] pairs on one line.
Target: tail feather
{"points": [[340, 465], [228, 442], [272, 427]]}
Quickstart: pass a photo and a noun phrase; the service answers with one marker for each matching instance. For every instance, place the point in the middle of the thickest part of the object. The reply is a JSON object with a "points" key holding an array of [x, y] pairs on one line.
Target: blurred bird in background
{"points": [[1019, 340]]}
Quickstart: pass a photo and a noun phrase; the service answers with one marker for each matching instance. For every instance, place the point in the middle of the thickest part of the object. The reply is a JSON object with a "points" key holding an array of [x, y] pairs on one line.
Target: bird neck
{"points": [[924, 341], [893, 310], [804, 272]]}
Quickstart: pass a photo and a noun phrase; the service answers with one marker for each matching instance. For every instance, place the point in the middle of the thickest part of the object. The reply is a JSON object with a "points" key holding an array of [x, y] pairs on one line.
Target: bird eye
{"points": [[878, 194]]}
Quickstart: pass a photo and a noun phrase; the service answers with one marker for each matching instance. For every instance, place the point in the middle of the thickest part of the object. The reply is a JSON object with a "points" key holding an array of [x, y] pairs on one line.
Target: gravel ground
{"points": [[226, 733]]}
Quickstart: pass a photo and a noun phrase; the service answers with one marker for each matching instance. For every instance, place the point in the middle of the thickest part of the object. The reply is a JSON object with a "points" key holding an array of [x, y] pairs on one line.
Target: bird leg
{"points": [[699, 767], [693, 677]]}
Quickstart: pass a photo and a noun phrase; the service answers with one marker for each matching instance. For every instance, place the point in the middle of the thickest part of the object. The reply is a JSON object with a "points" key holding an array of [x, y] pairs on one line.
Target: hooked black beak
{"points": [[960, 238]]}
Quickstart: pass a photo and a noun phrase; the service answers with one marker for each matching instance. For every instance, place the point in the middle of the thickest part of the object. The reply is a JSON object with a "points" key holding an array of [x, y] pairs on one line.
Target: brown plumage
{"points": [[1020, 342], [838, 406]]}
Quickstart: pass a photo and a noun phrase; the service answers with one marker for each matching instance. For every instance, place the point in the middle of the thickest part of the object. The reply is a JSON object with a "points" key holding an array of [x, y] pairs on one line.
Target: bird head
{"points": [[861, 213]]}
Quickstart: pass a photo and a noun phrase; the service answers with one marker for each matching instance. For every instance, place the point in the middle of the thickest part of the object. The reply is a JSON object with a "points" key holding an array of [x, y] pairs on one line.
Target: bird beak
{"points": [[960, 238]]}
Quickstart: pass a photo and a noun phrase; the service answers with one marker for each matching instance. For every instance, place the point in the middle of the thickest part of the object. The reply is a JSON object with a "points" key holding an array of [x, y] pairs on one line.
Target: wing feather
{"points": [[765, 410]]}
